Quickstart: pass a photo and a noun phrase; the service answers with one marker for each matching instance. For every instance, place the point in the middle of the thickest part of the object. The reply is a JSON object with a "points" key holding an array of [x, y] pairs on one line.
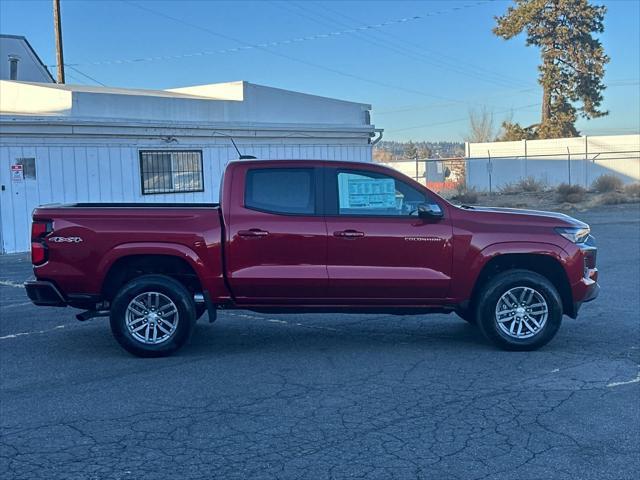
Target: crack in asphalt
{"points": [[332, 397]]}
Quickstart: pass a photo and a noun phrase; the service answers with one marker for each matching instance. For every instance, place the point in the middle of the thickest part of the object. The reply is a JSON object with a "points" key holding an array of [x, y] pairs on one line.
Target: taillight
{"points": [[39, 230], [38, 253]]}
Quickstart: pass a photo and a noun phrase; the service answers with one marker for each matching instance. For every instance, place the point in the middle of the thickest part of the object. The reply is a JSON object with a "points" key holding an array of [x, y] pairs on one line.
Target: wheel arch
{"points": [[125, 263], [548, 264]]}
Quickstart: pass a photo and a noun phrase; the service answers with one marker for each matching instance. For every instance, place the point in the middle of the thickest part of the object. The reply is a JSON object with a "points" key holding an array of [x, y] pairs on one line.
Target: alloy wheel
{"points": [[521, 312], [152, 318]]}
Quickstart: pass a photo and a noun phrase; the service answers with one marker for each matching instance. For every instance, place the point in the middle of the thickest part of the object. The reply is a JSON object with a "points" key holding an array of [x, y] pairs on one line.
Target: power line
{"points": [[269, 44], [411, 108], [265, 48], [85, 75], [418, 53], [415, 127], [322, 19]]}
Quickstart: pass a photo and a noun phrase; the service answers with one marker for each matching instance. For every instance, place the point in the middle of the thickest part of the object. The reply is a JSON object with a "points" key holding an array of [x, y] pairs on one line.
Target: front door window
{"points": [[373, 194]]}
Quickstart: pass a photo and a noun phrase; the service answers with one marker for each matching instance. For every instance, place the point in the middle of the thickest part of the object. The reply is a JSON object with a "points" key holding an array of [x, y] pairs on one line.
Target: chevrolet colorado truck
{"points": [[312, 236]]}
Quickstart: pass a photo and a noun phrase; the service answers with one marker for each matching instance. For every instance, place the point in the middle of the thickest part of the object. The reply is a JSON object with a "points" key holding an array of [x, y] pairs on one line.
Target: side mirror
{"points": [[430, 211]]}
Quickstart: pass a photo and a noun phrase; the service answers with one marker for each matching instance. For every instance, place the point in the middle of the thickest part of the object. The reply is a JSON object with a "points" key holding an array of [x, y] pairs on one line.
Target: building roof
{"points": [[20, 46], [234, 103]]}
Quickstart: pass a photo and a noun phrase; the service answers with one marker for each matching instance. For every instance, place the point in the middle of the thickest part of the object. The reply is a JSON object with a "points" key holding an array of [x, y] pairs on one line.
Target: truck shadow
{"points": [[256, 334]]}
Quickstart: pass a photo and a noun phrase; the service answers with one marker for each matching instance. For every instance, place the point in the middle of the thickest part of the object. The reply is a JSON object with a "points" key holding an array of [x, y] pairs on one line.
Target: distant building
{"points": [[18, 61], [72, 143]]}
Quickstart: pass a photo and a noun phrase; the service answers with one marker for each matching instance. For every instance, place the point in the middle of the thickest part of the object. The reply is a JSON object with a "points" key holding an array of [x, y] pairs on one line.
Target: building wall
{"points": [[30, 69], [577, 160], [70, 171], [440, 175], [254, 104]]}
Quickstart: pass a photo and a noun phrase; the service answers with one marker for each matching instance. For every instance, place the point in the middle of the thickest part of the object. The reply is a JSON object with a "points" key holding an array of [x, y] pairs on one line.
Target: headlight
{"points": [[574, 234]]}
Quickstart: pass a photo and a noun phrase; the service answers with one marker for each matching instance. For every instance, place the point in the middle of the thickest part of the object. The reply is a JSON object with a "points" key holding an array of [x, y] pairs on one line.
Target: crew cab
{"points": [[312, 236]]}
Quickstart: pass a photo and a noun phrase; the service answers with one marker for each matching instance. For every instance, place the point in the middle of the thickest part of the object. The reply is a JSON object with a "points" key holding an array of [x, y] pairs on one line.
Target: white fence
{"points": [[578, 160]]}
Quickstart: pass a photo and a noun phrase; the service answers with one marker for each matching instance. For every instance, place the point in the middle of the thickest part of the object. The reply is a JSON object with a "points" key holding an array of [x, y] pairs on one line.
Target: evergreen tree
{"points": [[410, 150], [572, 59], [513, 131], [424, 151]]}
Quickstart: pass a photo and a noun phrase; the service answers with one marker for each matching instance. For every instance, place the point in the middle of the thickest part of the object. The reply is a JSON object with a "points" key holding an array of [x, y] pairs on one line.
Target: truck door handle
{"points": [[348, 234], [254, 232]]}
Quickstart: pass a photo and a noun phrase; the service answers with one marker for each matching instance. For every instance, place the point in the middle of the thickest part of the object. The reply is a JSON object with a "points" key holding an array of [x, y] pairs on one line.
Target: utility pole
{"points": [[57, 26]]}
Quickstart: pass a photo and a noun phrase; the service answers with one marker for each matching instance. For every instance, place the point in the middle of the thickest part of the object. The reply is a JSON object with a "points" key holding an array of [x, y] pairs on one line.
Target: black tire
{"points": [[467, 315], [173, 290], [504, 282]]}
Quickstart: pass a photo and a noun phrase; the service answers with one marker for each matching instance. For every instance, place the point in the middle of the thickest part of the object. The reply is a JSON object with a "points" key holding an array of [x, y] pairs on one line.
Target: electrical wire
{"points": [[415, 127], [415, 52], [85, 75], [269, 44], [265, 47]]}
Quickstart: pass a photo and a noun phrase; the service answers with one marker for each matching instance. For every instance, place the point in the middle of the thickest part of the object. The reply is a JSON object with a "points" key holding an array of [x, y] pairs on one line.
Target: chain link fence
{"points": [[498, 166], [495, 173]]}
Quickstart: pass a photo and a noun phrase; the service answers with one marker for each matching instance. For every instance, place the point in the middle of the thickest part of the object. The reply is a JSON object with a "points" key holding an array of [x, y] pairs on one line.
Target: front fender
{"points": [[466, 273]]}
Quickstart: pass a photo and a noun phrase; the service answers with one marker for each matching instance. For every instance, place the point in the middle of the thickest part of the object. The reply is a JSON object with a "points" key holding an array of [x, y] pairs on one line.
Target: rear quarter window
{"points": [[280, 190]]}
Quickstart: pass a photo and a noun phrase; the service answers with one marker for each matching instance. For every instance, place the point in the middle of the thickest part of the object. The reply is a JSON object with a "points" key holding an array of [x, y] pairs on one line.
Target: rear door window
{"points": [[289, 191]]}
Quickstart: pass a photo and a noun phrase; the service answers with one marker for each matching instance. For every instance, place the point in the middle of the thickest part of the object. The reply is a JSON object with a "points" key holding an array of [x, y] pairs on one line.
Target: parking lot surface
{"points": [[328, 396]]}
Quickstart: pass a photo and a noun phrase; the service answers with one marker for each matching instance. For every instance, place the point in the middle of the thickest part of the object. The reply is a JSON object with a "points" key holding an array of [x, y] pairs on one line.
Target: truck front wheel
{"points": [[519, 310], [152, 316]]}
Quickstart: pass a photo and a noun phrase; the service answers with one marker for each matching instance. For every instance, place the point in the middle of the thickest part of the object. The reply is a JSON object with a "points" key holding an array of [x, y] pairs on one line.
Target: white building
{"points": [[70, 143], [18, 61]]}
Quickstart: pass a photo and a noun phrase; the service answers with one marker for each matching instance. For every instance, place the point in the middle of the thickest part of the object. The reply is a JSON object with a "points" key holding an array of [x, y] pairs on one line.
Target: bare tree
{"points": [[481, 127]]}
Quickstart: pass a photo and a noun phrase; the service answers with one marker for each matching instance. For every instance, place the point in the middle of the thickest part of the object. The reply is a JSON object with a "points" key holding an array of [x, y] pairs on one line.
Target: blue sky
{"points": [[421, 64]]}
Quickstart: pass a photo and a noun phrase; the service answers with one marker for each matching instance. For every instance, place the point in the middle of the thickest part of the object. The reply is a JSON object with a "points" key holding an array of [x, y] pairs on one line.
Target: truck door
{"points": [[277, 237], [379, 251]]}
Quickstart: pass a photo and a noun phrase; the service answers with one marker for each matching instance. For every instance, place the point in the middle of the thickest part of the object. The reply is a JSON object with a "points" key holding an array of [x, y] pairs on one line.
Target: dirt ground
{"points": [[545, 201]]}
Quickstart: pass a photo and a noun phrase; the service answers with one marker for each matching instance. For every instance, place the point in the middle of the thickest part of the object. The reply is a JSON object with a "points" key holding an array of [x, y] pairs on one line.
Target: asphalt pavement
{"points": [[328, 396]]}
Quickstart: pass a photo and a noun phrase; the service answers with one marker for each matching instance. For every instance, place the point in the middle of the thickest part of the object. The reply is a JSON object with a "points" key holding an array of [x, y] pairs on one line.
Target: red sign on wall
{"points": [[17, 173]]}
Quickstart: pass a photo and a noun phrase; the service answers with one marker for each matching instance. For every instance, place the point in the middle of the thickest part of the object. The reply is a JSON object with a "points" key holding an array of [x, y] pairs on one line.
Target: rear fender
{"points": [[210, 276]]}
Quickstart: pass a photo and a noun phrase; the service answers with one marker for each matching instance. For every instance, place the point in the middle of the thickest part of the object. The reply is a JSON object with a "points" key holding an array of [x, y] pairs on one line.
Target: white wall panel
{"points": [[577, 160], [70, 172]]}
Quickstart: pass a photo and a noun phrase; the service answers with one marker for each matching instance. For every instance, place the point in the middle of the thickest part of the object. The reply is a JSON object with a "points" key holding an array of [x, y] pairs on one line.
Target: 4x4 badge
{"points": [[65, 239]]}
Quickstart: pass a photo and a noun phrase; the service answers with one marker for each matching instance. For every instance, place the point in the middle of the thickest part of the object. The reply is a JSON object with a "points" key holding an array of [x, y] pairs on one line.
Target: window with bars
{"points": [[28, 167], [171, 171]]}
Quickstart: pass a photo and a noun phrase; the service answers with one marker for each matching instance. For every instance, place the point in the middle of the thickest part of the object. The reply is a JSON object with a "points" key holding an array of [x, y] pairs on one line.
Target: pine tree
{"points": [[572, 59], [410, 150]]}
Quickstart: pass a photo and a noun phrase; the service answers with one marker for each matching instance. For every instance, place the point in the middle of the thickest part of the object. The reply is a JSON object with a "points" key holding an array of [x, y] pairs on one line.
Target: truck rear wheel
{"points": [[152, 316], [519, 310]]}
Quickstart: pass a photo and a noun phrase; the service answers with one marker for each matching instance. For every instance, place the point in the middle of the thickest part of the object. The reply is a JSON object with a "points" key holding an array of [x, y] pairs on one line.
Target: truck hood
{"points": [[546, 217]]}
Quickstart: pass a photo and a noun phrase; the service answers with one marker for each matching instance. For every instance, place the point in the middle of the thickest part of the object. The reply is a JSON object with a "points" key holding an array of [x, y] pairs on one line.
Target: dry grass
{"points": [[570, 193], [527, 185], [465, 195], [632, 190], [607, 183], [564, 198], [628, 194], [612, 198]]}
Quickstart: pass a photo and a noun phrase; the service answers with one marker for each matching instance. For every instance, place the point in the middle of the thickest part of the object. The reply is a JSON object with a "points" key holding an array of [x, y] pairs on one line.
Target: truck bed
{"points": [[88, 239], [131, 205]]}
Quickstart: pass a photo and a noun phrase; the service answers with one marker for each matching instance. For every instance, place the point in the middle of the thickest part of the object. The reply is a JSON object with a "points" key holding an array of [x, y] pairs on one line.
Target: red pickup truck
{"points": [[312, 236]]}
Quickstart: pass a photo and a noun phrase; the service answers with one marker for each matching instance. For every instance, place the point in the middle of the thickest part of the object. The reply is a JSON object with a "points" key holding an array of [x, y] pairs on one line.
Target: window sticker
{"points": [[358, 191]]}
